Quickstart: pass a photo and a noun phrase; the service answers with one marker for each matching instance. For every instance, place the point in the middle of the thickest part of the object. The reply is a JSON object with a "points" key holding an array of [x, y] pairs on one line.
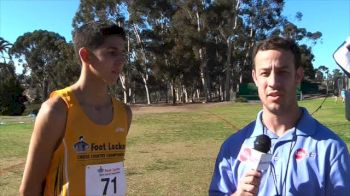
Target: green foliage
{"points": [[12, 100], [96, 10], [241, 100], [32, 108], [4, 47], [248, 91], [308, 87], [196, 45], [193, 46], [306, 62], [49, 59]]}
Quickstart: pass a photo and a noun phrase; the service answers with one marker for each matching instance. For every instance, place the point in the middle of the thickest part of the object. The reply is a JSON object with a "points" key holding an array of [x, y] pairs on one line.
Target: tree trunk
{"points": [[228, 71], [122, 82], [45, 91], [203, 76], [234, 23], [144, 79], [166, 94], [177, 94], [132, 92], [203, 65], [184, 91], [143, 75], [173, 92], [131, 96], [221, 94]]}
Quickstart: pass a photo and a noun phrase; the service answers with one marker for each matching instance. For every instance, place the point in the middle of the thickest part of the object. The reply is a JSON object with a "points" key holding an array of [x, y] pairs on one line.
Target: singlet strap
{"points": [[121, 110], [66, 95]]}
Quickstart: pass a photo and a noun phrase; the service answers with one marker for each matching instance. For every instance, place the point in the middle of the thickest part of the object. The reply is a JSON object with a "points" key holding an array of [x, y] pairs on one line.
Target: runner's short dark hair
{"points": [[93, 34]]}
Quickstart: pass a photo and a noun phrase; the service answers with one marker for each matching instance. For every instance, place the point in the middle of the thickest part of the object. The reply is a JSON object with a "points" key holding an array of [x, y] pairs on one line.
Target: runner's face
{"points": [[109, 58]]}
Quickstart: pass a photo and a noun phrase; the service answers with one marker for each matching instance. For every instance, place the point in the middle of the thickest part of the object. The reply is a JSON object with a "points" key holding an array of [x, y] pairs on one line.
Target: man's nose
{"points": [[273, 79]]}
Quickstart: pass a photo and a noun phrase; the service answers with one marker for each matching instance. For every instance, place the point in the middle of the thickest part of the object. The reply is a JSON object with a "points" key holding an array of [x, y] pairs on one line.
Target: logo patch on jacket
{"points": [[301, 153]]}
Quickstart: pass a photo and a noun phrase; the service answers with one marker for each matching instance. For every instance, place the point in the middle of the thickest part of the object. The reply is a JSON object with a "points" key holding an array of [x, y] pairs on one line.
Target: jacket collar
{"points": [[306, 125]]}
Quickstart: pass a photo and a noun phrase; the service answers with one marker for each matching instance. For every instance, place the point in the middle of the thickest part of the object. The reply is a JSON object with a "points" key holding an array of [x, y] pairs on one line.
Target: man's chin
{"points": [[274, 109], [111, 81]]}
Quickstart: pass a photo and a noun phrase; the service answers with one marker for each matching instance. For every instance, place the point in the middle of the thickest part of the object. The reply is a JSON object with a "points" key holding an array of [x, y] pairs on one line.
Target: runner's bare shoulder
{"points": [[51, 119]]}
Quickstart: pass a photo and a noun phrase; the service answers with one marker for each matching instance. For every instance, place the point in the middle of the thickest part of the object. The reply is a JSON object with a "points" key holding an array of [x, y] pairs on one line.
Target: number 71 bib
{"points": [[105, 179]]}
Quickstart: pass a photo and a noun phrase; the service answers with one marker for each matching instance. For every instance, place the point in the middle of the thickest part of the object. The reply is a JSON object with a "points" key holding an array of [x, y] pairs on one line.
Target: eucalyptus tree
{"points": [[47, 57], [307, 59], [12, 100], [302, 36], [225, 24], [238, 25], [100, 11], [4, 49], [291, 31], [324, 70], [151, 23], [336, 81], [190, 22], [262, 17], [67, 68]]}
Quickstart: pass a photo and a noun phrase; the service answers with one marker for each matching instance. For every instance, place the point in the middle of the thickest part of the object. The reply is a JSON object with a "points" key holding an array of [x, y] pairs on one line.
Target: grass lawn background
{"points": [[171, 150]]}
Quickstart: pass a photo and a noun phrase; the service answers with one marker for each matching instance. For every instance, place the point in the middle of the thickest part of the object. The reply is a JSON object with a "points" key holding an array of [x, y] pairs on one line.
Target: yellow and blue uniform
{"points": [[89, 159]]}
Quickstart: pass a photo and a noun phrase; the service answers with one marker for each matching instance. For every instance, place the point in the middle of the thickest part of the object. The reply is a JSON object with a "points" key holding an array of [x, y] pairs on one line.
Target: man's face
{"points": [[109, 59], [277, 79]]}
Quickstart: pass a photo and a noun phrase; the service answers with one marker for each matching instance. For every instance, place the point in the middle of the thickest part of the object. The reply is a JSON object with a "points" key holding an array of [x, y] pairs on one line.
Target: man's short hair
{"points": [[93, 34], [279, 43]]}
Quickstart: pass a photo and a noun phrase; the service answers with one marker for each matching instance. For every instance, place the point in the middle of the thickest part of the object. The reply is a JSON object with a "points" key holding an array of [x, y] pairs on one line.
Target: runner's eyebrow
{"points": [[113, 48]]}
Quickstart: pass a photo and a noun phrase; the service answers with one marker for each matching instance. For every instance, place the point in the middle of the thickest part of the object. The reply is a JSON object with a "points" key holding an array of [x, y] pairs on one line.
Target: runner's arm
{"points": [[129, 115], [48, 130]]}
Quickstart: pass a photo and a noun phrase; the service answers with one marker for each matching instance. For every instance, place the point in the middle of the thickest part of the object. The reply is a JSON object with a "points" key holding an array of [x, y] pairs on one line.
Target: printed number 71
{"points": [[114, 181]]}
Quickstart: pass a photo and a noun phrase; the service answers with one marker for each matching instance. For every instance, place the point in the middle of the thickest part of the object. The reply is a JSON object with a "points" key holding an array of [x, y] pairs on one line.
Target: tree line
{"points": [[178, 50]]}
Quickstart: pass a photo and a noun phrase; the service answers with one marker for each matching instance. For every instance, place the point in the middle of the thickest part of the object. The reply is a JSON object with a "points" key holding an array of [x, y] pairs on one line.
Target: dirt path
{"points": [[163, 108]]}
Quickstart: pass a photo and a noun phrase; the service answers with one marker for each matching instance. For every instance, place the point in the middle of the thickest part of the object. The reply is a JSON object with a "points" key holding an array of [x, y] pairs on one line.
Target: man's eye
{"points": [[283, 72], [113, 53], [264, 73]]}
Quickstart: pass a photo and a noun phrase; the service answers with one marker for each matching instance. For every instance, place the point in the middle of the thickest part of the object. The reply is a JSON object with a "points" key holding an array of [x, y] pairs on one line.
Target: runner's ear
{"points": [[84, 55]]}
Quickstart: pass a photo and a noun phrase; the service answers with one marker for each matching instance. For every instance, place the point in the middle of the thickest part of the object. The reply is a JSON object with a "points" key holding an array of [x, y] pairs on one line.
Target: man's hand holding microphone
{"points": [[257, 160]]}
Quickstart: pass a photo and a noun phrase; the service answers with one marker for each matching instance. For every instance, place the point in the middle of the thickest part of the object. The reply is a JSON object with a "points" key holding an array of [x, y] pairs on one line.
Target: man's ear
{"points": [[254, 77], [299, 75], [84, 55]]}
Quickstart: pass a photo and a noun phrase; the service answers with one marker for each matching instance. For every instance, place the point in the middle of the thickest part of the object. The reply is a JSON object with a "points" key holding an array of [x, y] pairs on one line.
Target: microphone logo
{"points": [[257, 158], [245, 155]]}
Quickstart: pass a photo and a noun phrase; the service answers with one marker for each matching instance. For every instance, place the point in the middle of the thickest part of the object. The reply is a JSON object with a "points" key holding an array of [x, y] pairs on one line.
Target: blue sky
{"points": [[331, 17]]}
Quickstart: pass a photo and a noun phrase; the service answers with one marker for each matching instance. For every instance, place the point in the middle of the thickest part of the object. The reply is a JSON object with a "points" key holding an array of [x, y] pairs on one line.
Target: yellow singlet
{"points": [[89, 159]]}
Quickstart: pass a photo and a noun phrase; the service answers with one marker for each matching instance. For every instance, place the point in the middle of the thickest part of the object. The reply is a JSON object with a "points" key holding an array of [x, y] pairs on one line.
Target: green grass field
{"points": [[168, 152]]}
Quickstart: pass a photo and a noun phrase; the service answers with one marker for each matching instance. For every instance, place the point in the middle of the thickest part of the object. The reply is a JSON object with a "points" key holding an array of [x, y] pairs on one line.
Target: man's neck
{"points": [[91, 92], [280, 123]]}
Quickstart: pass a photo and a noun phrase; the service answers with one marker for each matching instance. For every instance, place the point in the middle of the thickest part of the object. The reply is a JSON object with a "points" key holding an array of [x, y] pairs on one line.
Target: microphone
{"points": [[257, 158], [262, 143]]}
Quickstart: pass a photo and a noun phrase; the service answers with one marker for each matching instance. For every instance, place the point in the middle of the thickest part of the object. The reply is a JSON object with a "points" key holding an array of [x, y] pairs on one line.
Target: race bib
{"points": [[105, 179]]}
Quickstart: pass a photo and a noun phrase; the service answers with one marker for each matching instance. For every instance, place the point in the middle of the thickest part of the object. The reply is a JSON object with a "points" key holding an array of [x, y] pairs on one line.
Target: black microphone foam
{"points": [[262, 143]]}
